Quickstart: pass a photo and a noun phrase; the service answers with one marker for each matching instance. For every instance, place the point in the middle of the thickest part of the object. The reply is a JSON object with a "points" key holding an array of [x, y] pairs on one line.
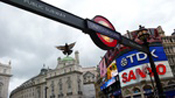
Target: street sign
{"points": [[51, 12], [91, 25], [48, 11]]}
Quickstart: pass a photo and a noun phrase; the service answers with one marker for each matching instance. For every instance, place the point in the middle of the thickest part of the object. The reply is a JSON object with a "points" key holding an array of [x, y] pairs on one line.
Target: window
{"points": [[1, 87], [147, 88], [52, 87], [69, 84], [127, 92], [79, 83], [64, 70], [38, 80], [136, 90], [60, 85], [172, 61], [171, 82], [5, 70], [38, 92]]}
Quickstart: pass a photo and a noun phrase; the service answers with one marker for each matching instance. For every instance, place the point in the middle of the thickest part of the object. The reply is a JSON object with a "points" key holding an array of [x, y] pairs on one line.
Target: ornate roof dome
{"points": [[68, 59]]}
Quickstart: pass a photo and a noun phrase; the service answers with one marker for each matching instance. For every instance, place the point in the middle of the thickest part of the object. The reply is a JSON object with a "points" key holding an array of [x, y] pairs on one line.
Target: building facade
{"points": [[5, 74], [143, 87], [146, 88], [89, 77], [67, 80], [169, 48]]}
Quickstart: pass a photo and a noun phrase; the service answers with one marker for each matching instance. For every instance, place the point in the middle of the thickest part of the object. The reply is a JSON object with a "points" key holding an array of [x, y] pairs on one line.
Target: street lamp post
{"points": [[152, 82], [143, 36]]}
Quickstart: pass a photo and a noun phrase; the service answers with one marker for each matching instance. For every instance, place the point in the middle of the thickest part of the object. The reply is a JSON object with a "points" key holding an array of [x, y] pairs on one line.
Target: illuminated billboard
{"points": [[107, 60], [108, 83], [134, 65], [112, 70], [102, 67]]}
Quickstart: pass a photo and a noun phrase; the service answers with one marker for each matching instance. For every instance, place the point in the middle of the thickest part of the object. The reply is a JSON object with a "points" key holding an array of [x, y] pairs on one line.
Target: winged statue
{"points": [[67, 48]]}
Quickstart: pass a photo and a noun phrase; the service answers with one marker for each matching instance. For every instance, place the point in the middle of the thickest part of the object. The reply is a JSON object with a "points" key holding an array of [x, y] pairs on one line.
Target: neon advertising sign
{"points": [[134, 66], [134, 74]]}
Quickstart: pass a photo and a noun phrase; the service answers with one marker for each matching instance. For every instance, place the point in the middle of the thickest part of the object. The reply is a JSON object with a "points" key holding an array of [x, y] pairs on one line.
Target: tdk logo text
{"points": [[140, 56], [135, 58]]}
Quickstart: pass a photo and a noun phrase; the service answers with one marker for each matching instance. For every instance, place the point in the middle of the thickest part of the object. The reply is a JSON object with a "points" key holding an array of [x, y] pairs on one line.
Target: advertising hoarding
{"points": [[108, 83], [112, 70], [102, 67], [134, 65]]}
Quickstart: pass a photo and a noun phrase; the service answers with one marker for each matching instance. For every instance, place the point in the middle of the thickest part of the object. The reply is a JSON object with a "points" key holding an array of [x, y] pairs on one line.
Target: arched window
{"points": [[127, 92], [147, 88], [171, 82], [136, 90], [163, 84]]}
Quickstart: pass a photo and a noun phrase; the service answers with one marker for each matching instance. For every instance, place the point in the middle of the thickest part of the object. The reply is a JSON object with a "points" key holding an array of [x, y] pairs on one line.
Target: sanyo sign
{"points": [[131, 66]]}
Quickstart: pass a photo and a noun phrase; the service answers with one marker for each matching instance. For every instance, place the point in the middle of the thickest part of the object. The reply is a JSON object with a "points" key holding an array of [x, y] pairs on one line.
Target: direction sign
{"points": [[91, 25], [51, 12]]}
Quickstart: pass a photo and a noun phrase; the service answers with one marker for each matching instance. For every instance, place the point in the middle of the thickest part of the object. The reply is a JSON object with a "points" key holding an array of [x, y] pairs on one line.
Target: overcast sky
{"points": [[29, 40]]}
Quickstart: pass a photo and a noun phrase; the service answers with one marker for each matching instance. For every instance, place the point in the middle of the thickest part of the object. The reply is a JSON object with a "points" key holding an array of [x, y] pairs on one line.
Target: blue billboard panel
{"points": [[135, 58], [108, 83]]}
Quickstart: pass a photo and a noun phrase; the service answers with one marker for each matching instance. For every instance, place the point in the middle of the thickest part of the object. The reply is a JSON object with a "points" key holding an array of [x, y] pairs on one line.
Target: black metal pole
{"points": [[156, 77], [152, 82]]}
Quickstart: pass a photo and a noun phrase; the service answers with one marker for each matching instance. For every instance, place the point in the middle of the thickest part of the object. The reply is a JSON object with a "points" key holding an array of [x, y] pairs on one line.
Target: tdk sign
{"points": [[140, 56], [134, 58]]}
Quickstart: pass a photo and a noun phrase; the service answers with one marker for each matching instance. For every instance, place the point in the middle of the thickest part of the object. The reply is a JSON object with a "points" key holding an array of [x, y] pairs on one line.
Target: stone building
{"points": [[169, 47], [5, 74], [89, 76], [67, 80], [146, 87]]}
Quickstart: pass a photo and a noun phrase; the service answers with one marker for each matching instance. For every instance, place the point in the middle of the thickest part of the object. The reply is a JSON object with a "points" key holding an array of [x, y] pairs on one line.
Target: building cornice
{"points": [[5, 66], [67, 73], [21, 88], [7, 75]]}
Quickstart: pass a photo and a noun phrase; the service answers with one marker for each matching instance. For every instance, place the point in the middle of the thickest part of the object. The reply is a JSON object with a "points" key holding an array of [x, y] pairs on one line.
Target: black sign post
{"points": [[86, 25]]}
